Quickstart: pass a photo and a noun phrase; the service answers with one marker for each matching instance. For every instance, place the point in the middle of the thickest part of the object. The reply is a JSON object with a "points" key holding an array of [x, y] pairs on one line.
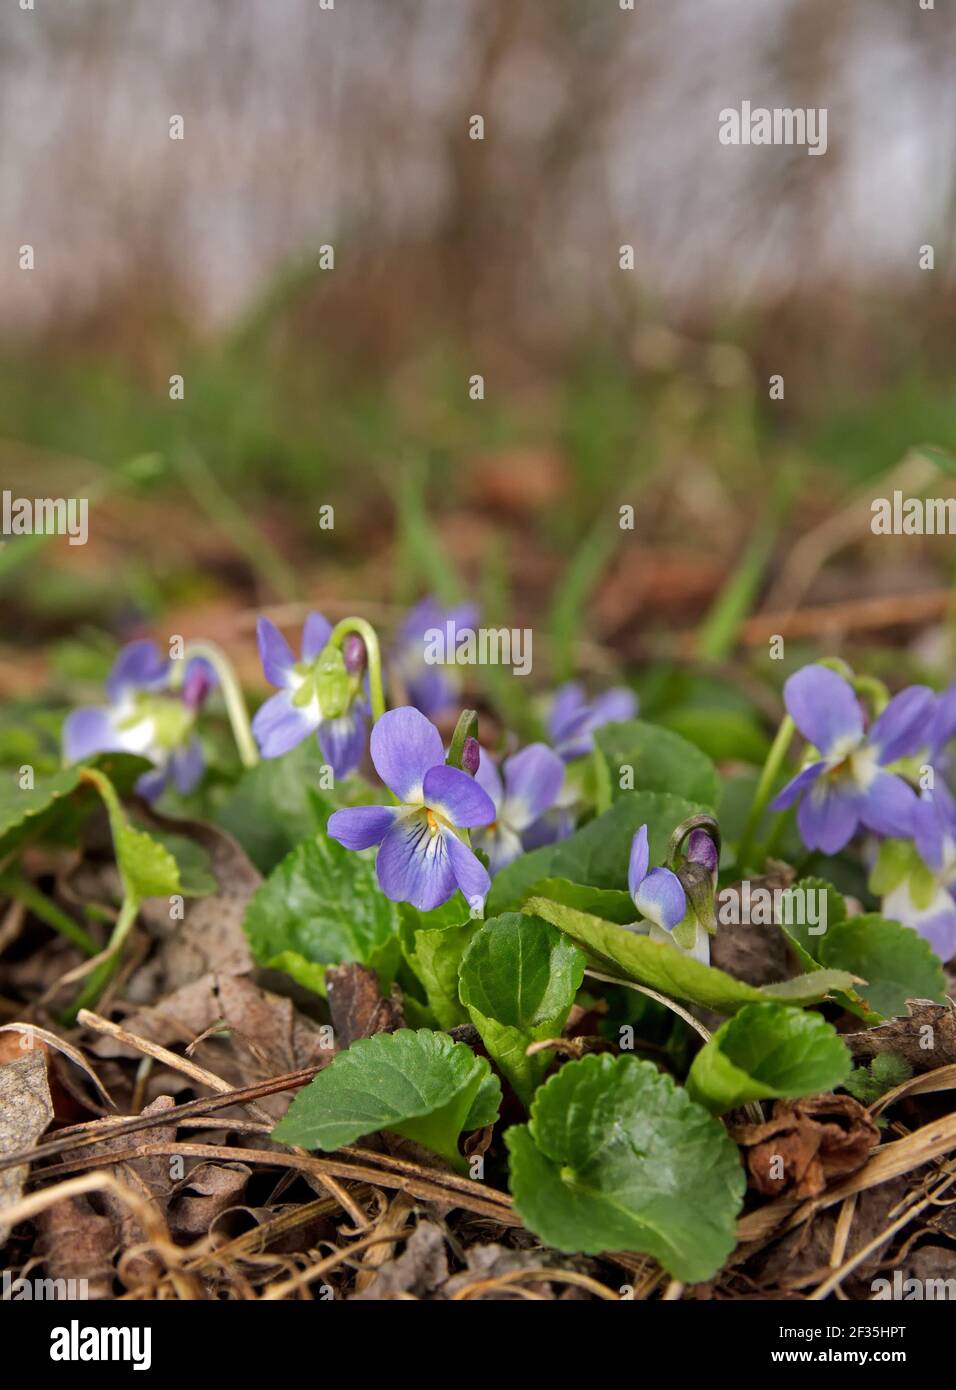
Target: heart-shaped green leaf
{"points": [[322, 906], [433, 944], [647, 757], [895, 961], [518, 979], [663, 967], [767, 1051], [417, 1084], [618, 1157]]}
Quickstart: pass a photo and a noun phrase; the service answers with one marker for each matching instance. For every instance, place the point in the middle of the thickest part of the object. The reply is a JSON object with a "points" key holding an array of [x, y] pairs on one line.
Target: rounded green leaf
{"points": [[418, 1084], [896, 963], [647, 757], [768, 1051], [518, 978], [322, 906], [618, 1157]]}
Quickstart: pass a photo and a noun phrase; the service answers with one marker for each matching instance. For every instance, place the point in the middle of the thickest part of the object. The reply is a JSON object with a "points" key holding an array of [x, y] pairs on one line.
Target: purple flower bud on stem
{"points": [[353, 653], [197, 685], [470, 756]]}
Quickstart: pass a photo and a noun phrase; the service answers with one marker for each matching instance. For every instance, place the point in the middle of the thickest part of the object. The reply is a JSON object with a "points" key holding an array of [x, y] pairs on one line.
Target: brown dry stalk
{"points": [[537, 1276], [79, 1136], [462, 1193]]}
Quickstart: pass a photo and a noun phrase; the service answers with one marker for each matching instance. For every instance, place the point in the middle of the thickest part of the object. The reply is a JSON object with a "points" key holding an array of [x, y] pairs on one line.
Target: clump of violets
{"points": [[847, 782], [423, 855], [433, 689], [146, 715], [525, 788], [572, 720], [321, 693], [659, 896]]}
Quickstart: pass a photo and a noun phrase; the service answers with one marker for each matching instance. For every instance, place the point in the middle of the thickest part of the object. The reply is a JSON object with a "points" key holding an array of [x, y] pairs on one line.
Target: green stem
{"points": [[373, 656], [41, 906], [231, 693], [100, 977], [778, 751]]}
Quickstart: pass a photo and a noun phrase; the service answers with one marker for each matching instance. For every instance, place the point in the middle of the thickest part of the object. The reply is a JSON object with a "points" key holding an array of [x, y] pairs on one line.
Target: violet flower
{"points": [[433, 689], [526, 787], [422, 858], [145, 716], [659, 897], [845, 784], [572, 721], [288, 717], [928, 906]]}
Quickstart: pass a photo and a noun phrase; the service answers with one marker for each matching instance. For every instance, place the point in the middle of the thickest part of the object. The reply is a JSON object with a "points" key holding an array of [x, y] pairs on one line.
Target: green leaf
{"points": [[764, 1052], [613, 904], [147, 868], [277, 804], [196, 877], [322, 906], [895, 962], [518, 981], [725, 735], [655, 759], [598, 853], [417, 1084], [61, 796], [617, 1157], [794, 915], [663, 967], [433, 944]]}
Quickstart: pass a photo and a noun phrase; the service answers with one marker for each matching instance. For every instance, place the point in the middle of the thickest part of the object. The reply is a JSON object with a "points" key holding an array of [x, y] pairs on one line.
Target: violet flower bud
{"points": [[470, 756], [353, 653]]}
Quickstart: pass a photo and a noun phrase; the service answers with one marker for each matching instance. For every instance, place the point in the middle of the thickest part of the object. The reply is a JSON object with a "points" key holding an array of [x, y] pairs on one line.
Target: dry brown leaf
{"points": [[356, 1004], [807, 1144], [25, 1111], [202, 1196]]}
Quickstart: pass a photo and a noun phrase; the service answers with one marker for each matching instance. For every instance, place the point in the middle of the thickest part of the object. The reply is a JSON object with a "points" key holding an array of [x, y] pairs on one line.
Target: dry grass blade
{"points": [[536, 1276], [30, 1030]]}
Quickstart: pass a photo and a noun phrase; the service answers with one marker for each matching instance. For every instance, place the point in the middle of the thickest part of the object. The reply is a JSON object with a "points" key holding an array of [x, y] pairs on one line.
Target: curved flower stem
{"points": [[373, 654], [778, 751], [231, 693]]}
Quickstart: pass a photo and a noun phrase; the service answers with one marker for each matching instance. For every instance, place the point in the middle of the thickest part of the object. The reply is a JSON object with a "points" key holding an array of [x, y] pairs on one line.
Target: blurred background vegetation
{"points": [[604, 387]]}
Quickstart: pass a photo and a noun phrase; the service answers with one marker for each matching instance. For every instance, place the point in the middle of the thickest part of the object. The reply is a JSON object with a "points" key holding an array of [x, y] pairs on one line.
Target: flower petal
{"points": [[660, 898], [89, 730], [152, 784], [828, 816], [457, 797], [889, 806], [637, 866], [413, 865], [404, 746], [470, 874], [489, 778], [501, 844], [936, 923], [342, 740], [360, 827], [316, 632], [566, 707], [186, 766], [614, 706], [138, 666], [533, 779], [906, 725], [824, 708], [279, 725], [702, 850], [553, 826], [796, 787], [274, 652]]}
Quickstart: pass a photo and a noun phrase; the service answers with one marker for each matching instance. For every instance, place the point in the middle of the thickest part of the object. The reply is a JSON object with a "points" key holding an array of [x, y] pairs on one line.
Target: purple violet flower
{"points": [[526, 787], [932, 913], [845, 785], [430, 688], [572, 721], [145, 716], [660, 899], [421, 858], [288, 717]]}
